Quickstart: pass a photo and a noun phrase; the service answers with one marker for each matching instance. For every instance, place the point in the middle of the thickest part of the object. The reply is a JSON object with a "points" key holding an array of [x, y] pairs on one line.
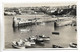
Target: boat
{"points": [[56, 46], [73, 45], [57, 33], [39, 40], [32, 38], [45, 38], [27, 44], [32, 42], [17, 46]]}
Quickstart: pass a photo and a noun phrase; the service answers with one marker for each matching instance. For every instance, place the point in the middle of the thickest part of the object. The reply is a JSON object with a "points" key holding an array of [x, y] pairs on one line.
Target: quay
{"points": [[18, 22], [22, 22]]}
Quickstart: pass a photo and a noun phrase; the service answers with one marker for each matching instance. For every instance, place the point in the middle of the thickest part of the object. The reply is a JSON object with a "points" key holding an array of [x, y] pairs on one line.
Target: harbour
{"points": [[40, 26], [66, 36]]}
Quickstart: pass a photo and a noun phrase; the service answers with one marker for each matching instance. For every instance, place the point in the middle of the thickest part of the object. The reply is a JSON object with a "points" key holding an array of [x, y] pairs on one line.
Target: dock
{"points": [[18, 22], [28, 22]]}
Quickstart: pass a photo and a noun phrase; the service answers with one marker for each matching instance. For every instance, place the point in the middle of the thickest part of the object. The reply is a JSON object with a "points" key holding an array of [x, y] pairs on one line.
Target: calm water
{"points": [[67, 33]]}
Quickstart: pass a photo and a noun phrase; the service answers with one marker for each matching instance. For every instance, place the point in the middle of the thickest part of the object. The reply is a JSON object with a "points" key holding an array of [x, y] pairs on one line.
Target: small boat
{"points": [[32, 38], [56, 46], [45, 38], [32, 42], [27, 44], [39, 40], [73, 45], [57, 33], [17, 46]]}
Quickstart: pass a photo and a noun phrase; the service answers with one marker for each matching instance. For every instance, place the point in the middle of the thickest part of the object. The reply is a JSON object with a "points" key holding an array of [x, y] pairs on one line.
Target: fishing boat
{"points": [[17, 45]]}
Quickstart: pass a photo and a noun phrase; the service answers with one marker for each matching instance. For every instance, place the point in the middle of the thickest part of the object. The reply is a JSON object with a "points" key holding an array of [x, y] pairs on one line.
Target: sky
{"points": [[36, 4]]}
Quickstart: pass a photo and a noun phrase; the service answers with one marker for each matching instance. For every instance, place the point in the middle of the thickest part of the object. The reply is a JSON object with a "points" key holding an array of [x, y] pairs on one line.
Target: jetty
{"points": [[18, 22]]}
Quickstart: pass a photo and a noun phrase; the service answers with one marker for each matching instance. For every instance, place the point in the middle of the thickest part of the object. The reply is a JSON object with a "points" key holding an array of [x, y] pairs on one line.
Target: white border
{"points": [[36, 1]]}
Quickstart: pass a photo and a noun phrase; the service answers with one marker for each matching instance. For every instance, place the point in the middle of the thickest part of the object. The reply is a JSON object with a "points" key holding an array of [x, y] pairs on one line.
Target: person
{"points": [[55, 24], [14, 43], [20, 43]]}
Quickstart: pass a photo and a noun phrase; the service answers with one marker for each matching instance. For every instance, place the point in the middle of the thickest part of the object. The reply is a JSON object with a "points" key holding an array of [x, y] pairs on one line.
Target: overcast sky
{"points": [[36, 4]]}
